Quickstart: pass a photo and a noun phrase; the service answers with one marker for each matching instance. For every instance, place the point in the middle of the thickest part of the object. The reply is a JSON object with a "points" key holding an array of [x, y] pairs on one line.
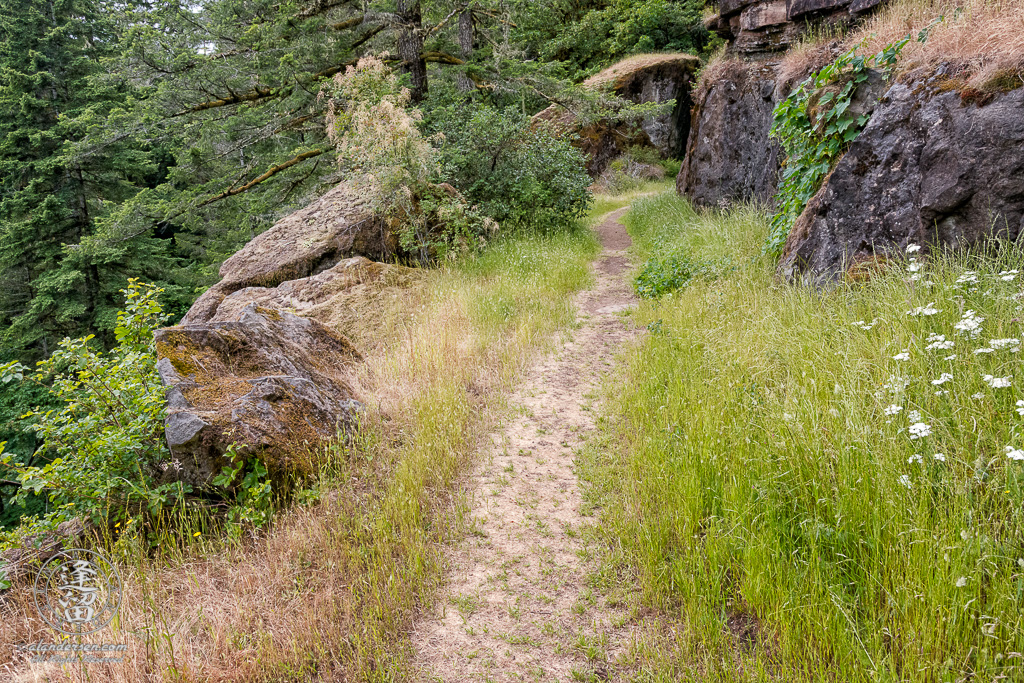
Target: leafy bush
{"points": [[104, 445], [815, 129], [622, 28], [522, 177], [250, 482], [666, 273]]}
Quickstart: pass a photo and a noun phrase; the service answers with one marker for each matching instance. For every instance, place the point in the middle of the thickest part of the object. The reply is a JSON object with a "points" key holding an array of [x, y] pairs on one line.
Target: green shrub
{"points": [[666, 273], [626, 27], [522, 177], [386, 156], [101, 449]]}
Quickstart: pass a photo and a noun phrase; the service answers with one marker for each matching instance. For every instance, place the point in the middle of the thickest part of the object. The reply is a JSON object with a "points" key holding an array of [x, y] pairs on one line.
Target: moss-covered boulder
{"points": [[271, 382]]}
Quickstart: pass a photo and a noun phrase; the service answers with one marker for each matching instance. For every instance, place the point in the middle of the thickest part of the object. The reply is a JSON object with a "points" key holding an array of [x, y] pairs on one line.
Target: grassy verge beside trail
{"points": [[329, 591], [819, 485]]}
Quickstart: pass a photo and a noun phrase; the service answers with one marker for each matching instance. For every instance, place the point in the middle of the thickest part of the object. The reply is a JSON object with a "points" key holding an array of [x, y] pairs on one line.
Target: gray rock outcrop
{"points": [[729, 156], [338, 225], [931, 167], [756, 28], [642, 79], [273, 383]]}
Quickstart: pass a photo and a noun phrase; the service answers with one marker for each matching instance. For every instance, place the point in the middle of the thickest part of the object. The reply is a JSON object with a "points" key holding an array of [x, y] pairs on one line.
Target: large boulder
{"points": [[346, 298], [271, 382], [729, 156], [641, 79], [931, 167], [338, 225]]}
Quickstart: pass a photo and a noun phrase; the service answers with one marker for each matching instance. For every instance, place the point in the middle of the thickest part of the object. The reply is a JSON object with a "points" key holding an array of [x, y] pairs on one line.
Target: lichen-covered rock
{"points": [[928, 168], [346, 298], [338, 225], [641, 79], [730, 157], [271, 382]]}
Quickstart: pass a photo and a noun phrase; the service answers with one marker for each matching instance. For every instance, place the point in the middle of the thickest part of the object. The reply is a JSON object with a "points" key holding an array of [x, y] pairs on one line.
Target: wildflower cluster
{"points": [[930, 418]]}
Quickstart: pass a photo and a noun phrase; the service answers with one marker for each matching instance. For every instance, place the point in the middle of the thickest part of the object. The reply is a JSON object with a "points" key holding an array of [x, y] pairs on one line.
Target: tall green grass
{"points": [[757, 466]]}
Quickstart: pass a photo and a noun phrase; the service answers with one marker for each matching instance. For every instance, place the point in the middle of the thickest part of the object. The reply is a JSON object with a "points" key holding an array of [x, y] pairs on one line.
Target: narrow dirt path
{"points": [[520, 602]]}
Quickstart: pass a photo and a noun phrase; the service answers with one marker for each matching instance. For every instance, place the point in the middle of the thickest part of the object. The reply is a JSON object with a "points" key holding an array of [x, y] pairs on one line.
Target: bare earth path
{"points": [[519, 603]]}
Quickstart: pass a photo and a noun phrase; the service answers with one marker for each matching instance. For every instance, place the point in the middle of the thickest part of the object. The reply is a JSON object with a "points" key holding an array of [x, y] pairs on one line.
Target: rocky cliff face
{"points": [[931, 167], [641, 79], [935, 165], [729, 156], [756, 28]]}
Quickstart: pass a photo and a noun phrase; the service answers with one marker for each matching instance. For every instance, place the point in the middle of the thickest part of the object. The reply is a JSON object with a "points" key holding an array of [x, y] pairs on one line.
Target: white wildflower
{"points": [[893, 409], [983, 350], [970, 324], [978, 395], [896, 384], [902, 356], [914, 266], [913, 248], [961, 582], [1008, 343], [1020, 408], [1008, 275], [997, 382], [940, 457], [865, 326], [927, 309], [953, 357], [943, 378], [914, 416], [920, 430], [905, 480], [916, 457], [1014, 453], [968, 277]]}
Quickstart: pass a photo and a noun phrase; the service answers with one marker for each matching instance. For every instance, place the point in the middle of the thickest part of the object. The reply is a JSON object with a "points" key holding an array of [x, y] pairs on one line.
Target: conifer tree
{"points": [[53, 95]]}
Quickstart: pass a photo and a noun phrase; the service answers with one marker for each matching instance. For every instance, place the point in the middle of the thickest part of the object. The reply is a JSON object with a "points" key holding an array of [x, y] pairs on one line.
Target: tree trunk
{"points": [[410, 47], [466, 37]]}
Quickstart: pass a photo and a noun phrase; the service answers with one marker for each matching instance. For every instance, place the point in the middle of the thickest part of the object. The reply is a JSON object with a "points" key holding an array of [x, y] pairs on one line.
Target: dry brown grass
{"points": [[984, 37], [630, 65], [986, 33]]}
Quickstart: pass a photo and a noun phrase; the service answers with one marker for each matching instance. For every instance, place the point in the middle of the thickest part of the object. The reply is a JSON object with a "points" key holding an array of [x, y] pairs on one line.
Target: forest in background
{"points": [[152, 140]]}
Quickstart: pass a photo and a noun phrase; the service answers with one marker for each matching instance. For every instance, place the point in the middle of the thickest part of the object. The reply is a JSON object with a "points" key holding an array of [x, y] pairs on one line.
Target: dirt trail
{"points": [[519, 604]]}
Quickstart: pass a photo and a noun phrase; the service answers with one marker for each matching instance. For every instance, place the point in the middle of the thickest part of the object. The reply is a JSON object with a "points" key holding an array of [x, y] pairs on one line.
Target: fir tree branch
{"points": [[271, 172]]}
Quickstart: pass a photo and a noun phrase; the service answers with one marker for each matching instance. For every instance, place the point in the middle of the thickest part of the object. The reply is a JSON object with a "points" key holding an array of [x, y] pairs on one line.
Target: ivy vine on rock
{"points": [[816, 125]]}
